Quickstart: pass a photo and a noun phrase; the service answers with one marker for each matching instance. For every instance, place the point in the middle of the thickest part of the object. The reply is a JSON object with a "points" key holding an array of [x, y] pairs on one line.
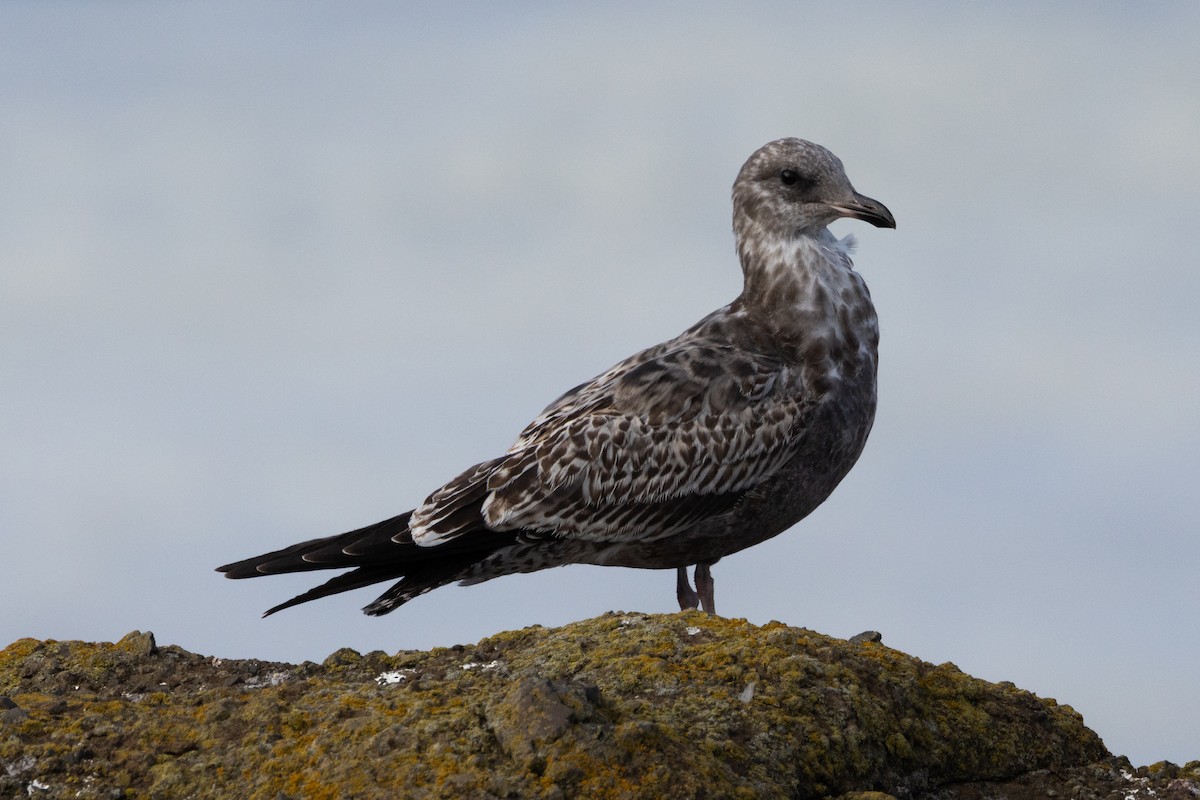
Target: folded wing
{"points": [[663, 440]]}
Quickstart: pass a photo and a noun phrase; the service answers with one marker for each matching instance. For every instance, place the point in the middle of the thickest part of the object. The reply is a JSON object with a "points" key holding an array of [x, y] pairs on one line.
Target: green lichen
{"points": [[624, 705]]}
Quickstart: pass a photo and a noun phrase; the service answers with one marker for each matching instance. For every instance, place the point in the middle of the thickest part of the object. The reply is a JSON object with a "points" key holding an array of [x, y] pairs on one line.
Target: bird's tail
{"points": [[380, 552]]}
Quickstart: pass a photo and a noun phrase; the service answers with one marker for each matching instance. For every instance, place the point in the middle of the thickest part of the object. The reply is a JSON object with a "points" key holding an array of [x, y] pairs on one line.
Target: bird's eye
{"points": [[789, 177]]}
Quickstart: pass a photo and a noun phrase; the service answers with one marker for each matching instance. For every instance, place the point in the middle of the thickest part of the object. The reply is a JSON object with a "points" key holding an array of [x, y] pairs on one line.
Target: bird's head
{"points": [[791, 187]]}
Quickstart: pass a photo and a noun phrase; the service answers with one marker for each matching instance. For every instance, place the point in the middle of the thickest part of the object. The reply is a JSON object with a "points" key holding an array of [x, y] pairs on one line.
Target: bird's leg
{"points": [[704, 585], [688, 599]]}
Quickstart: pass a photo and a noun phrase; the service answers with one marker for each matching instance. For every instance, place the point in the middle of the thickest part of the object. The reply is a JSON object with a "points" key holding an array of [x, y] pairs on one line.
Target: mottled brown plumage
{"points": [[688, 451]]}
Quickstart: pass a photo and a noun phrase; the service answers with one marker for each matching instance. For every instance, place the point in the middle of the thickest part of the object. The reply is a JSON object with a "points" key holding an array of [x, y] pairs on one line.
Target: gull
{"points": [[688, 451]]}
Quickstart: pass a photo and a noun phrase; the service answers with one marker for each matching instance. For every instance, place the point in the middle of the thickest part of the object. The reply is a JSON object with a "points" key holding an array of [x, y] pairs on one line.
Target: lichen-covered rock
{"points": [[625, 705]]}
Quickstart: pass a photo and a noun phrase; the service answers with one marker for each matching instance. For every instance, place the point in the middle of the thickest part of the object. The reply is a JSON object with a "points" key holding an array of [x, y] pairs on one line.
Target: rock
{"points": [[138, 643], [535, 712], [13, 715], [624, 705]]}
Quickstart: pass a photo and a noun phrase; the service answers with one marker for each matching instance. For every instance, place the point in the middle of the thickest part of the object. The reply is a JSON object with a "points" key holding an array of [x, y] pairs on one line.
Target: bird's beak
{"points": [[866, 209]]}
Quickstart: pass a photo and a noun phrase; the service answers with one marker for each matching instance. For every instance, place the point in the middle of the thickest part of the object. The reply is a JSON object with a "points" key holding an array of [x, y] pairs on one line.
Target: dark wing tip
{"points": [[240, 569], [295, 601], [355, 579]]}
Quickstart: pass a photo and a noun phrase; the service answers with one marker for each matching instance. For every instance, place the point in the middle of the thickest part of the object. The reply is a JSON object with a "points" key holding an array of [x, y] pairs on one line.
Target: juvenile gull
{"points": [[688, 451]]}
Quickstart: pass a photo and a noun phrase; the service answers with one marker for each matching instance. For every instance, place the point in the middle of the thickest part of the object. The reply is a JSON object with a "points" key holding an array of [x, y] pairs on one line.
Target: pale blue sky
{"points": [[276, 270]]}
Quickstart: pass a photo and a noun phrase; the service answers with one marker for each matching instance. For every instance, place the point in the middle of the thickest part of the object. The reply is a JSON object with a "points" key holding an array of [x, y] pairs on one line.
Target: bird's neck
{"points": [[804, 291]]}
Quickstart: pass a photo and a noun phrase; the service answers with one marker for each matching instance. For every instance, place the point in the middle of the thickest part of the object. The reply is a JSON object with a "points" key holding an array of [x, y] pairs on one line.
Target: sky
{"points": [[274, 271]]}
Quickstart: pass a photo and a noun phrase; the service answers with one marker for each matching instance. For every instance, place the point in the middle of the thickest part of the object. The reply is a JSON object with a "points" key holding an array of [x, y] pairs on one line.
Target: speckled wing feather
{"points": [[686, 426]]}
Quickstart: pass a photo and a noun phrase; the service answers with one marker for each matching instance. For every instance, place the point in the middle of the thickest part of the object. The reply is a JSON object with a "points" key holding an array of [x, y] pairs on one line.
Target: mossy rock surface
{"points": [[624, 705]]}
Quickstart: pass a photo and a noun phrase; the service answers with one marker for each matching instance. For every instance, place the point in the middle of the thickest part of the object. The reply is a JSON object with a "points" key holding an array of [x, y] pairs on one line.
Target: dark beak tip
{"points": [[877, 214], [880, 217], [868, 210]]}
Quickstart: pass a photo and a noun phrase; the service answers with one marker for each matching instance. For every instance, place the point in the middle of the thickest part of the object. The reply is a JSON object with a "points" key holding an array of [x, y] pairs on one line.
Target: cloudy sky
{"points": [[272, 271]]}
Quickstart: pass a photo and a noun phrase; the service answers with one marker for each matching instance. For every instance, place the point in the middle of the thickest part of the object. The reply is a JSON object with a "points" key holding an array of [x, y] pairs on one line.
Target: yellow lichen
{"points": [[629, 705]]}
